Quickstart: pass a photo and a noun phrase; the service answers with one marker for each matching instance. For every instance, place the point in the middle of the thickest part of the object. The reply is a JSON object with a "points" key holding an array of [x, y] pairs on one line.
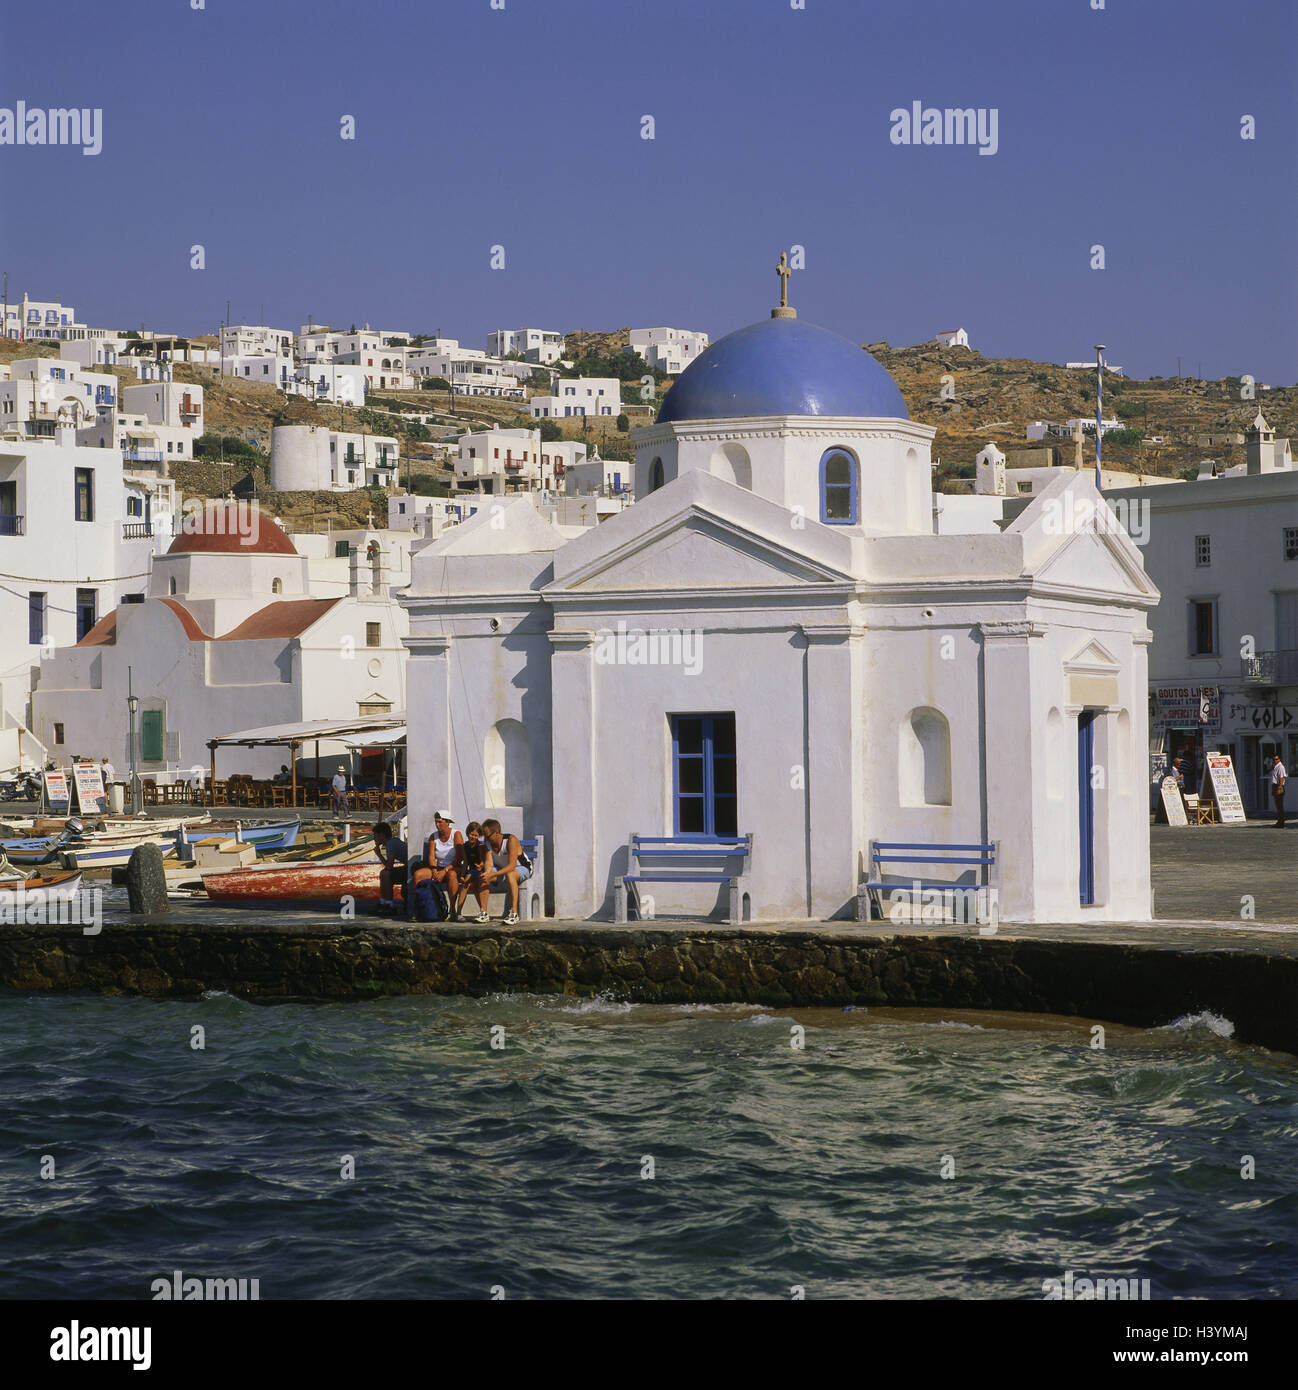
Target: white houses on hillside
{"points": [[468, 371], [540, 345], [952, 337], [230, 636], [774, 641], [43, 319], [668, 350], [498, 461], [595, 395], [314, 458], [154, 422], [255, 340]]}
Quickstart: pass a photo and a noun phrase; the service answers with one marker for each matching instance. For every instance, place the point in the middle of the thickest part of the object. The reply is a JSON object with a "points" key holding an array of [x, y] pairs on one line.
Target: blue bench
{"points": [[531, 893], [686, 859], [983, 857]]}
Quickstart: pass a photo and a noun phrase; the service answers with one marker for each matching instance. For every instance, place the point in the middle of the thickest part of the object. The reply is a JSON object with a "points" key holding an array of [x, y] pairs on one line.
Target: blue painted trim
{"points": [[854, 493], [709, 831], [1086, 807]]}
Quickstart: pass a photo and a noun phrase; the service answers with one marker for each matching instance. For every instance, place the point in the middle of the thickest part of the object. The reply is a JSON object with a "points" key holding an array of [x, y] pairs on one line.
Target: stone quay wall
{"points": [[1254, 985]]}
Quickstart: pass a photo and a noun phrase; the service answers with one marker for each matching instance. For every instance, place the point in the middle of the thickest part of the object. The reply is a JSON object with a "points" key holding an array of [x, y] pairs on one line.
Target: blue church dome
{"points": [[783, 367]]}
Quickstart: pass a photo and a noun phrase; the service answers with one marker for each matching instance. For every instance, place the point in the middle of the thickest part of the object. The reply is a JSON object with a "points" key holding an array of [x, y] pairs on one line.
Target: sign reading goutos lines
{"points": [[1184, 706]]}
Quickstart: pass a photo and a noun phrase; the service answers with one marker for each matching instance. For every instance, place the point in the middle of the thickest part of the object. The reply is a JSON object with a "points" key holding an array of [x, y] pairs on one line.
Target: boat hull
{"points": [[92, 855], [44, 888], [269, 835], [322, 886]]}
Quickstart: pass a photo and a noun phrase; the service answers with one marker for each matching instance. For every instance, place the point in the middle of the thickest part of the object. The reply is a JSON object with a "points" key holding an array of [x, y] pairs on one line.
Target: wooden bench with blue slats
{"points": [[645, 860], [892, 852]]}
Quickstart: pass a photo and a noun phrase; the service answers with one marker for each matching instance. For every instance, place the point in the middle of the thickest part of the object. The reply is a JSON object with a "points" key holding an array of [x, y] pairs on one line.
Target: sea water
{"points": [[554, 1147]]}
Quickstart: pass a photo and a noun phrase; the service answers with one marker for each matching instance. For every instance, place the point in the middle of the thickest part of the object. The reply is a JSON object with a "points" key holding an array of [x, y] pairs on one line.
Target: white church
{"points": [[774, 641]]}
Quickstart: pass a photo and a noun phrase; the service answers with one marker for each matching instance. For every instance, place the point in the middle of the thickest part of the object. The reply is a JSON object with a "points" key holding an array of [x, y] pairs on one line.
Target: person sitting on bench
{"points": [[508, 862], [392, 850], [442, 859], [473, 856]]}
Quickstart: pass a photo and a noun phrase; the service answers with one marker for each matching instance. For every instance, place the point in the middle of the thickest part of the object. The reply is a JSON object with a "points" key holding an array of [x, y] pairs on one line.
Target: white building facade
{"points": [[668, 350], [826, 669], [229, 637], [1223, 666], [595, 395], [314, 458], [539, 345]]}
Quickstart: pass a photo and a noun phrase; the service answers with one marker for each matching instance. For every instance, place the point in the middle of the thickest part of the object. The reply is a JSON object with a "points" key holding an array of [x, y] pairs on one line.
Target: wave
{"points": [[1206, 1021]]}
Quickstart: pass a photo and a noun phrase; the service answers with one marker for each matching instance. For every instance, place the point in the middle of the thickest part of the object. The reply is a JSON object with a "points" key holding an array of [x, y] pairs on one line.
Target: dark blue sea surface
{"points": [[524, 1168]]}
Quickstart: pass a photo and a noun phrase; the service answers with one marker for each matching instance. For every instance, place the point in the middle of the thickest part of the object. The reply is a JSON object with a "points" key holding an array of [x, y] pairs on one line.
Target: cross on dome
{"points": [[784, 270]]}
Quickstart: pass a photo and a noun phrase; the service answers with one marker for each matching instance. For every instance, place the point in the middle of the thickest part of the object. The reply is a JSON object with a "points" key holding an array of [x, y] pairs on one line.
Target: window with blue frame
{"points": [[704, 783], [839, 488]]}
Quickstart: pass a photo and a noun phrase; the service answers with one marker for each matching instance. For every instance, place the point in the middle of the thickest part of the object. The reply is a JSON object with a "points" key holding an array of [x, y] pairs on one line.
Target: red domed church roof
{"points": [[230, 528]]}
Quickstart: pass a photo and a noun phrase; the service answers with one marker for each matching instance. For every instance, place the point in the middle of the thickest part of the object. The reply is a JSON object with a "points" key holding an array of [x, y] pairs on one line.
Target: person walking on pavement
{"points": [[1277, 789]]}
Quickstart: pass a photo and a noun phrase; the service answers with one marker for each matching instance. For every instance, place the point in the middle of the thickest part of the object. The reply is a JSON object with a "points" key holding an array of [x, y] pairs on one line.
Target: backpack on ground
{"points": [[429, 902]]}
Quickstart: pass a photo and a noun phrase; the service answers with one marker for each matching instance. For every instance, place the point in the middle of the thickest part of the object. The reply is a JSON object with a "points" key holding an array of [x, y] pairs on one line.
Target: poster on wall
{"points": [[1173, 806], [56, 790], [91, 797], [1219, 783]]}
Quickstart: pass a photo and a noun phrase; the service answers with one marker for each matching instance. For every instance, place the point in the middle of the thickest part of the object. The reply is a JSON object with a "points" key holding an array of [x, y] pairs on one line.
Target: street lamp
{"points": [[132, 704]]}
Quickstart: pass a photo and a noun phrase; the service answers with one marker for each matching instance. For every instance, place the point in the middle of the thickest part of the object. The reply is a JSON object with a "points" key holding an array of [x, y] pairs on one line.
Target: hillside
{"points": [[993, 400]]}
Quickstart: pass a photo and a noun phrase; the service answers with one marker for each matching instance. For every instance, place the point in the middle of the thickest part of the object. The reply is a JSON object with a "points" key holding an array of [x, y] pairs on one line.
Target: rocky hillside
{"points": [[993, 399]]}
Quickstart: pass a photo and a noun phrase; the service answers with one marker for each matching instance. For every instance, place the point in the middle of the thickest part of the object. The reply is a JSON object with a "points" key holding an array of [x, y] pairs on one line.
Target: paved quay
{"points": [[1198, 957]]}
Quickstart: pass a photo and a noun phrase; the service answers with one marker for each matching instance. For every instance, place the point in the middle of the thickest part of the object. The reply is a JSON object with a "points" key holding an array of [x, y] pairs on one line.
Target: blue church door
{"points": [[1086, 805]]}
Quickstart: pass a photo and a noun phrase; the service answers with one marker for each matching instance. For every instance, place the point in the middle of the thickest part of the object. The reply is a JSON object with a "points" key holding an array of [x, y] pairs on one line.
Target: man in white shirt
{"points": [[108, 772], [1277, 789], [338, 797]]}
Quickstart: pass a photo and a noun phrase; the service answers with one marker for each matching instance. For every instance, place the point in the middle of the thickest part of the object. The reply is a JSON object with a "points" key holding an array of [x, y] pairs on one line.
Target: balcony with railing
{"points": [[11, 526], [190, 407], [143, 455], [137, 530], [1270, 668]]}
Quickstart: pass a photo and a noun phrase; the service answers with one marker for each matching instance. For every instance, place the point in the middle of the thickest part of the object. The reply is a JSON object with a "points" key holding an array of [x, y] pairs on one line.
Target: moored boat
{"points": [[300, 883], [265, 835], [31, 852], [102, 853], [43, 888]]}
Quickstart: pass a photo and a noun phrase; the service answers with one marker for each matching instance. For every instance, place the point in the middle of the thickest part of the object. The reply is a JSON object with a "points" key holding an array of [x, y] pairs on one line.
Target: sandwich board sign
{"points": [[91, 797], [56, 789], [1173, 806], [1219, 783]]}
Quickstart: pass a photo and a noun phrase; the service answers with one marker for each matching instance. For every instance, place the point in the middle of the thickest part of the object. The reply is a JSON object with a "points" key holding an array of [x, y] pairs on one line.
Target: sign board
{"points": [[56, 789], [1188, 706], [1173, 806], [91, 797], [1219, 783]]}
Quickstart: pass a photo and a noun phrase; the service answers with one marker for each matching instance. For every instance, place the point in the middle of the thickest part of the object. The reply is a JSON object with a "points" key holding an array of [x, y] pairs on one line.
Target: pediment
{"points": [[1097, 559], [699, 551], [1093, 657]]}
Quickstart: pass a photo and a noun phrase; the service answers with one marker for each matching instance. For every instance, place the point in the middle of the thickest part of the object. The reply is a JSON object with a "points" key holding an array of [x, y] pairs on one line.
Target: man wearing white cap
{"points": [[443, 854], [338, 799]]}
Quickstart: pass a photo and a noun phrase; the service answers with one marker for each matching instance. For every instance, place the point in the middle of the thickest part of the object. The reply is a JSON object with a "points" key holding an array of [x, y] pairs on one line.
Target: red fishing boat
{"points": [[294, 885]]}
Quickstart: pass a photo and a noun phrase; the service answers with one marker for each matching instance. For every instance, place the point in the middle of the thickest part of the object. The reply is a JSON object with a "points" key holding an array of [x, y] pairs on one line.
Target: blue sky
{"points": [[521, 127]]}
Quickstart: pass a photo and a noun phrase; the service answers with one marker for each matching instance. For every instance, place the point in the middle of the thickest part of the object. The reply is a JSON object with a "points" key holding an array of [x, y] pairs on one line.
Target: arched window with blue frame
{"points": [[839, 488]]}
